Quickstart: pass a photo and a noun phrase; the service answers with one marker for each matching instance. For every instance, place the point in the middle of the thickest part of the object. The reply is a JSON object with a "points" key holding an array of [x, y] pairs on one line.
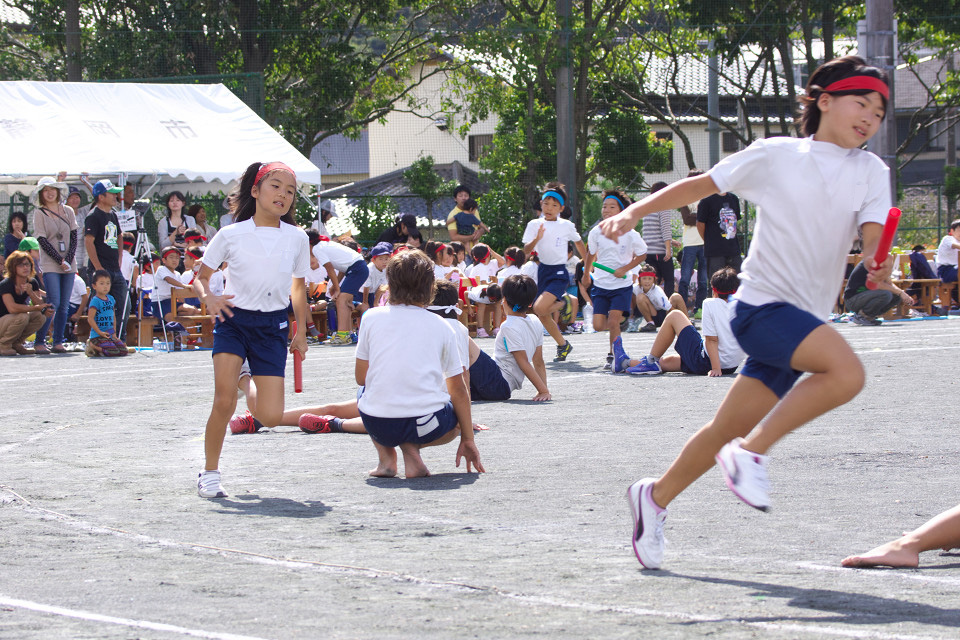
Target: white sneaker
{"points": [[745, 473], [208, 485], [648, 519]]}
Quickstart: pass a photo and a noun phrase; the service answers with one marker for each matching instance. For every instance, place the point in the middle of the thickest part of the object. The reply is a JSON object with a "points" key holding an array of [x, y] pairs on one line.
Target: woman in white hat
{"points": [[55, 227]]}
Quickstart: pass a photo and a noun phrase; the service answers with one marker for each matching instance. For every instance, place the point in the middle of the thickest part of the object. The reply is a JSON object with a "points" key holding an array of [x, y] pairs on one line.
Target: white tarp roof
{"points": [[186, 131]]}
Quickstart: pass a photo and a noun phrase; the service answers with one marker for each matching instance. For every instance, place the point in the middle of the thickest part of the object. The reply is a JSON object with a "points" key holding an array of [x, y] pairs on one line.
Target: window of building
{"points": [[479, 146]]}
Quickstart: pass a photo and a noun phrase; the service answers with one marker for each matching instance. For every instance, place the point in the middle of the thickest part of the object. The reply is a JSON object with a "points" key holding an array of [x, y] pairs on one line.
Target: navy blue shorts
{"points": [[769, 334], [260, 337], [486, 380], [606, 300], [947, 273], [392, 432], [552, 279], [165, 307], [354, 279], [693, 353]]}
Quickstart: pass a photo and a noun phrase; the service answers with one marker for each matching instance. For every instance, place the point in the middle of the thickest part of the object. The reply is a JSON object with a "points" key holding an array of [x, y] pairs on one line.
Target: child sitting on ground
{"points": [[401, 408], [652, 302], [715, 353], [518, 351], [102, 319], [486, 297]]}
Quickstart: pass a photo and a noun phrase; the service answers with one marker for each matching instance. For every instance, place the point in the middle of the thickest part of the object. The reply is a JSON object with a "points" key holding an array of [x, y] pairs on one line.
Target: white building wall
{"points": [[405, 137]]}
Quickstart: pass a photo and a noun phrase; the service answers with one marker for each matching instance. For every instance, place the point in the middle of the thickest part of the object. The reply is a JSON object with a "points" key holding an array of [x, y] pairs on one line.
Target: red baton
{"points": [[886, 241]]}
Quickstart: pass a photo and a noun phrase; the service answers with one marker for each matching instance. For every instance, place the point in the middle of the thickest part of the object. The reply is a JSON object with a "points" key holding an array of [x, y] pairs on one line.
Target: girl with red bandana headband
{"points": [[269, 256], [813, 195]]}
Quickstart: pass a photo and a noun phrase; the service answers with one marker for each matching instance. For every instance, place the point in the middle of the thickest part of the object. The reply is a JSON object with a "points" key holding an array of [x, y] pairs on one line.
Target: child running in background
{"points": [[812, 193], [715, 353], [549, 236], [652, 302], [269, 257], [403, 402], [518, 350], [335, 257], [610, 293]]}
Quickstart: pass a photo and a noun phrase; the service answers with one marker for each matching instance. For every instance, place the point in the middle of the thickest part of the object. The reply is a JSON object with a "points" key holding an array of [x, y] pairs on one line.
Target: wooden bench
{"points": [[199, 327]]}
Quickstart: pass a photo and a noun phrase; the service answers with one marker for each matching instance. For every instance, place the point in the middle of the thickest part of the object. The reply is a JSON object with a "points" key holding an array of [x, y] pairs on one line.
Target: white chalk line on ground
{"points": [[523, 598], [900, 574], [37, 436], [126, 622]]}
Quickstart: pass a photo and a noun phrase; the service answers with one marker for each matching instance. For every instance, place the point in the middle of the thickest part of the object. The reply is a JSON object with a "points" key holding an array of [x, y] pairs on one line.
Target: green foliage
{"points": [[626, 148], [502, 207], [951, 187], [372, 216], [423, 181]]}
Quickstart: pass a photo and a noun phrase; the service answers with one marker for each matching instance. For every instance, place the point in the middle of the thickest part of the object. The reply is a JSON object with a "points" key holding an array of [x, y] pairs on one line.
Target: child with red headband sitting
{"points": [[165, 280], [652, 301], [714, 353], [442, 256], [486, 263]]}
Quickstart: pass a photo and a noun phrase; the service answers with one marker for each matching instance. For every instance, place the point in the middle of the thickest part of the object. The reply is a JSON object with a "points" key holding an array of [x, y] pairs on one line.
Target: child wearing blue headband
{"points": [[548, 235]]}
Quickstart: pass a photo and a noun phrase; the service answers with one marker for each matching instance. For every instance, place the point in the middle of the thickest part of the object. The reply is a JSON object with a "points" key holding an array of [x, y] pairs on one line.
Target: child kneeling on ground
{"points": [[102, 320], [652, 301], [412, 411], [715, 353], [518, 351]]}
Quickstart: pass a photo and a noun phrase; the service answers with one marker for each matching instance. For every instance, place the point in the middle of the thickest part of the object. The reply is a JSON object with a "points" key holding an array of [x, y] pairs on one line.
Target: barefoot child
{"points": [[269, 257], [403, 401], [611, 292], [518, 351], [713, 354], [549, 236], [940, 532], [812, 193]]}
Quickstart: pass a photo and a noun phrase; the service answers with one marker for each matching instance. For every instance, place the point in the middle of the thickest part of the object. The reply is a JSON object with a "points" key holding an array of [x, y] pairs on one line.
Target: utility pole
{"points": [[566, 134], [71, 10], [878, 39], [951, 159], [713, 105]]}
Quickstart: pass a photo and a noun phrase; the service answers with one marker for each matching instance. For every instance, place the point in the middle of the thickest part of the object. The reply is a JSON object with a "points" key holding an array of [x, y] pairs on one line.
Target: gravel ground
{"points": [[103, 536]]}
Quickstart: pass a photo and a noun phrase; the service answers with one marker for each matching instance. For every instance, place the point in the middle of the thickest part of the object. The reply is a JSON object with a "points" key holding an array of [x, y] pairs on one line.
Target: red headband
{"points": [[168, 250], [854, 83], [272, 166], [650, 274], [439, 249], [724, 293], [194, 255]]}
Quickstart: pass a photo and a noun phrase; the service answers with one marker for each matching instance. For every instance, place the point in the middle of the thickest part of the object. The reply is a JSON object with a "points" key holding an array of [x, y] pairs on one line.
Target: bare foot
{"points": [[892, 554], [479, 426], [383, 471], [413, 466]]}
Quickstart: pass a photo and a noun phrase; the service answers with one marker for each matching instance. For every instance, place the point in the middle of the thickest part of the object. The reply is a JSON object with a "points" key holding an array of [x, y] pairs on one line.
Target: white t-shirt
{"points": [[263, 262], [376, 279], [656, 295], [552, 247], [339, 256], [506, 272], [440, 273], [717, 314], [411, 352], [162, 286], [530, 269], [79, 289], [145, 282], [217, 283], [316, 276], [946, 254], [811, 197], [483, 272], [517, 334], [613, 254], [463, 339], [126, 266], [188, 276], [476, 295]]}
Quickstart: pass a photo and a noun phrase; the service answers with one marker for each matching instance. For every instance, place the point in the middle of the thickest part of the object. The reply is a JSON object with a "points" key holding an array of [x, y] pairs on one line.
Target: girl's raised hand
{"points": [[218, 306]]}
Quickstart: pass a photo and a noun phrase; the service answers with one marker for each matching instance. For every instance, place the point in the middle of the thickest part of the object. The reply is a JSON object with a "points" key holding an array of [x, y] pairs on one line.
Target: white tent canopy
{"points": [[180, 132]]}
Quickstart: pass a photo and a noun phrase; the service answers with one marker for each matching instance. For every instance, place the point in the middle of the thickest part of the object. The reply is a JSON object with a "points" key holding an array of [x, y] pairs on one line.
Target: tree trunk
{"points": [[71, 10]]}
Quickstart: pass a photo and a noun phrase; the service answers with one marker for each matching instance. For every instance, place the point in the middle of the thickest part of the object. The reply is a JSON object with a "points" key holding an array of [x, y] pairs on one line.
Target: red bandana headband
{"points": [[272, 166], [439, 248], [649, 274], [724, 293], [854, 83]]}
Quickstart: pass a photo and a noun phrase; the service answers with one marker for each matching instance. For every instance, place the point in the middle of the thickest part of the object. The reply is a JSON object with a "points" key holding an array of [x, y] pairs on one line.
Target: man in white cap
{"points": [[101, 236]]}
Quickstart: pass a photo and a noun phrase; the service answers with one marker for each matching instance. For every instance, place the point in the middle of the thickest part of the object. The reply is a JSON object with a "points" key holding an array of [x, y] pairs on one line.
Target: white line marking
{"points": [[126, 622], [42, 434], [886, 572], [259, 558]]}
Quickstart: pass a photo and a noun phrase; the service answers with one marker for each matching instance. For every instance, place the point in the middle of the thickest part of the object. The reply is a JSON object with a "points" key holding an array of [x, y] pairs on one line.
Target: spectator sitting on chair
{"points": [[16, 231], [869, 304]]}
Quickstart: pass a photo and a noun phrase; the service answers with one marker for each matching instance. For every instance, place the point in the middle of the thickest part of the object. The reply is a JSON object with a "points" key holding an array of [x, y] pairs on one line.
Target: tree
{"points": [[426, 183]]}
